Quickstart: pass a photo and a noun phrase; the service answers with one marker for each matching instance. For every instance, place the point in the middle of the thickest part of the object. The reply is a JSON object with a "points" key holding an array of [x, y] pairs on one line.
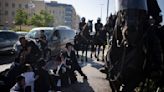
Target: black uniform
{"points": [[72, 60], [81, 25], [98, 28]]}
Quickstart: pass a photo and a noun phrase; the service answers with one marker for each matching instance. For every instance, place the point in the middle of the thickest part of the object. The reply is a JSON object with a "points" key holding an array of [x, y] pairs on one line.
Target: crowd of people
{"points": [[31, 73]]}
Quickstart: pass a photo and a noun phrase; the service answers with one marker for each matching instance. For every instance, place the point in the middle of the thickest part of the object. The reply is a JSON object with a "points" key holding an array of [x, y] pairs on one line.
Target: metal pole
{"points": [[107, 9], [101, 11]]}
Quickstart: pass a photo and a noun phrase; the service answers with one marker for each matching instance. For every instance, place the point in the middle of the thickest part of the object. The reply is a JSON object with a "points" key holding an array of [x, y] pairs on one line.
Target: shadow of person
{"points": [[92, 63], [79, 87]]}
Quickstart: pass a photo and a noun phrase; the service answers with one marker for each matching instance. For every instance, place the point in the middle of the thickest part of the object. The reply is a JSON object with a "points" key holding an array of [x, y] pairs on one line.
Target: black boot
{"points": [[85, 77]]}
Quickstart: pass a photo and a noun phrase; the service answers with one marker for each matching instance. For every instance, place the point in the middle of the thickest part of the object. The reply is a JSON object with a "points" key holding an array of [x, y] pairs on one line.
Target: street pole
{"points": [[107, 9], [101, 11]]}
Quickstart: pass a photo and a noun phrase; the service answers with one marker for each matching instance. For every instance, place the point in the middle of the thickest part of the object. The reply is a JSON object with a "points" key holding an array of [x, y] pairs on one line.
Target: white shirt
{"points": [[29, 79]]}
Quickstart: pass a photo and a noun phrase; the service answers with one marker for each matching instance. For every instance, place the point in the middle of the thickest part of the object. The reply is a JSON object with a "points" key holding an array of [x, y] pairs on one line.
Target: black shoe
{"points": [[86, 60], [85, 78], [81, 60], [97, 59], [77, 56]]}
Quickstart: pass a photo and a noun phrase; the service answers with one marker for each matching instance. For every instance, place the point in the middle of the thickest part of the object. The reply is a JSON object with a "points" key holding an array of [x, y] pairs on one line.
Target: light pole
{"points": [[107, 9], [101, 10]]}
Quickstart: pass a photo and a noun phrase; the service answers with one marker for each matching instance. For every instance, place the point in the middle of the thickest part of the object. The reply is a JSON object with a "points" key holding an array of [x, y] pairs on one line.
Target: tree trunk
{"points": [[20, 28]]}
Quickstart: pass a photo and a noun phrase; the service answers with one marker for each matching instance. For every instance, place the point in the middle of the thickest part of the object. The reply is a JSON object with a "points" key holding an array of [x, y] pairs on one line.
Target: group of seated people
{"points": [[40, 76]]}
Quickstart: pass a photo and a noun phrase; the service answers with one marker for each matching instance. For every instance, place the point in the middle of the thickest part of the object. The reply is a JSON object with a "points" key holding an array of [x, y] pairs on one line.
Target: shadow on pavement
{"points": [[92, 62], [79, 87]]}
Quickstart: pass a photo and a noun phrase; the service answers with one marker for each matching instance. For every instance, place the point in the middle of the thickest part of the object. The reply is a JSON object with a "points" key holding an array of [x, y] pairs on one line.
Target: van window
{"points": [[8, 36], [63, 34], [36, 34], [55, 35], [33, 34]]}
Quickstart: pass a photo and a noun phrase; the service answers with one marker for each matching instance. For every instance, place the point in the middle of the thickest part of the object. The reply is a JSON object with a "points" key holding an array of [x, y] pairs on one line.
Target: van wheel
{"points": [[48, 55]]}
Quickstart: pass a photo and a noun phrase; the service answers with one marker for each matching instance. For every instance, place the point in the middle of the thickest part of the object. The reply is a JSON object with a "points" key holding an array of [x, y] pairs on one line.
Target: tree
{"points": [[21, 17], [42, 19], [48, 19], [37, 20]]}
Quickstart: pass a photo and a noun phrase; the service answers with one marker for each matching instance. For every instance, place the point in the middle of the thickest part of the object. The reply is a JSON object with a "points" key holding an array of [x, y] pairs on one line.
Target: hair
{"points": [[19, 78], [28, 67], [68, 44], [42, 31], [21, 38]]}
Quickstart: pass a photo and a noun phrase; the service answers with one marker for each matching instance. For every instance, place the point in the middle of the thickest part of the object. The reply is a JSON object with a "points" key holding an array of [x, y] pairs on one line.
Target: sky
{"points": [[91, 9]]}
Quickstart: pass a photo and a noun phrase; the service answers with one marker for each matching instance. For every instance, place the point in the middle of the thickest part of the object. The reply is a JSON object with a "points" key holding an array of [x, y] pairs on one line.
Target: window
{"points": [[13, 13], [6, 4], [20, 6], [6, 12], [7, 36], [13, 5], [26, 6], [11, 36]]}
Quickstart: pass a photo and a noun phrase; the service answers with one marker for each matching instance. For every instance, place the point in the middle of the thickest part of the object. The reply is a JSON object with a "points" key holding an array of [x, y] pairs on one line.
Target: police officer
{"points": [[82, 23], [98, 26]]}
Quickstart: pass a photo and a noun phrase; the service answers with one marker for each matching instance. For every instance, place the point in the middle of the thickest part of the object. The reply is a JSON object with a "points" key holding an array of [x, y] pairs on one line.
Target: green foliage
{"points": [[21, 17], [42, 19]]}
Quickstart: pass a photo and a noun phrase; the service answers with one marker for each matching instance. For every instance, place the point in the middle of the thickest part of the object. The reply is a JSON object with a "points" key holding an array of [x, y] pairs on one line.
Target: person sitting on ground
{"points": [[20, 85], [65, 78], [71, 57], [59, 72]]}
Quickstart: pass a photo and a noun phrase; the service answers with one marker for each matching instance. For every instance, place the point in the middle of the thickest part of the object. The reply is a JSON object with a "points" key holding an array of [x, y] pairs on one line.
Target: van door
{"points": [[55, 43]]}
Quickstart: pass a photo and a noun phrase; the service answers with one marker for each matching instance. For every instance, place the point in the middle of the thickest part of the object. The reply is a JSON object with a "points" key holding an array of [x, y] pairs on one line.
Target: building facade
{"points": [[64, 14], [8, 9]]}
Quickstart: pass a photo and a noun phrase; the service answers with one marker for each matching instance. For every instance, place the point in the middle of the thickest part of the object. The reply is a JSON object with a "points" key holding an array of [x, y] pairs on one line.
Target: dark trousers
{"points": [[54, 81], [71, 75], [78, 68]]}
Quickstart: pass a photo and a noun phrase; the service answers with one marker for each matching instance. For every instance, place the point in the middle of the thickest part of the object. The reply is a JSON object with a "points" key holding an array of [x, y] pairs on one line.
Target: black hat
{"points": [[68, 44]]}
